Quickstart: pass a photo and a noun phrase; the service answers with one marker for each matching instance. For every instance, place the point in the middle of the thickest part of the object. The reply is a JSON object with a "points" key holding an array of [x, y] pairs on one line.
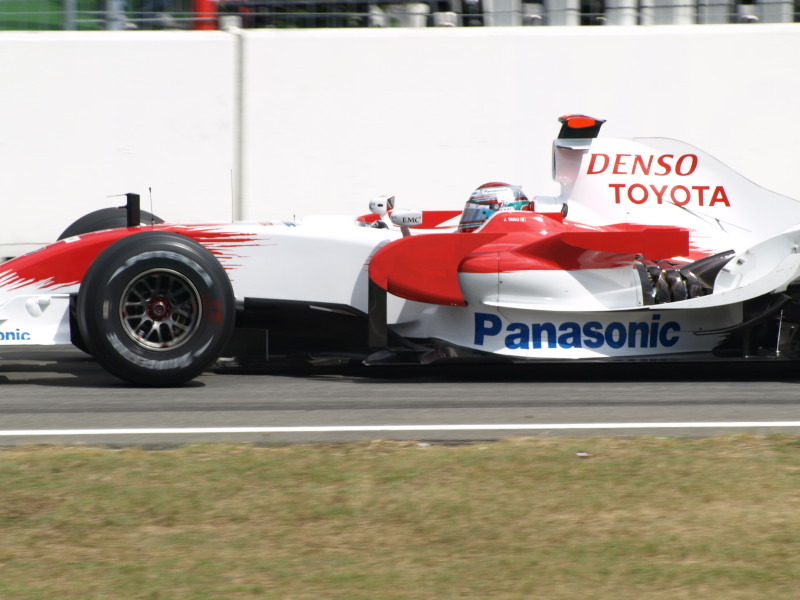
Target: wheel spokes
{"points": [[160, 309]]}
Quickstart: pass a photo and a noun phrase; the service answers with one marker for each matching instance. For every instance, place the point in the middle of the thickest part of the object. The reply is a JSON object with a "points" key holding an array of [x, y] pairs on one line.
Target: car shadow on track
{"points": [[633, 371], [71, 368], [64, 367]]}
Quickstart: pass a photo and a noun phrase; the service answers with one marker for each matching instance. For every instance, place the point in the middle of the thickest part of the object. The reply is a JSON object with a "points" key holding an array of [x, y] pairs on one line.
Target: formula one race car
{"points": [[653, 250]]}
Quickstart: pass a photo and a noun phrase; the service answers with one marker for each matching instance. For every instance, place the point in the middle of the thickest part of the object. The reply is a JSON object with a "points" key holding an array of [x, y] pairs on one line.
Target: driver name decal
{"points": [[571, 334], [665, 165]]}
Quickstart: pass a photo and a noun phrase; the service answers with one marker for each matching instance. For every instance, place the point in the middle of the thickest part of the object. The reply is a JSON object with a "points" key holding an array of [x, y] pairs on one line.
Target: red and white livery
{"points": [[653, 249]]}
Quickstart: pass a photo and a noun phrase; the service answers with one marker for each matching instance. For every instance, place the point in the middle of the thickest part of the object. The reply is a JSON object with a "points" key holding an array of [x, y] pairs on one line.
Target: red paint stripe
{"points": [[58, 265], [64, 263]]}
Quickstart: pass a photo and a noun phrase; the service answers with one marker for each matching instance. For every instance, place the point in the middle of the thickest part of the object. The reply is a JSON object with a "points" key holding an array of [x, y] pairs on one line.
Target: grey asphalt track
{"points": [[44, 391]]}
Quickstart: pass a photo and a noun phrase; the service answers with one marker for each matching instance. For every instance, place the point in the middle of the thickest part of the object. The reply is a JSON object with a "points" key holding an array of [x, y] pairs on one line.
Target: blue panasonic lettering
{"points": [[654, 327], [520, 340], [486, 324], [616, 335], [15, 336], [536, 334], [669, 327], [643, 330], [571, 334], [593, 334]]}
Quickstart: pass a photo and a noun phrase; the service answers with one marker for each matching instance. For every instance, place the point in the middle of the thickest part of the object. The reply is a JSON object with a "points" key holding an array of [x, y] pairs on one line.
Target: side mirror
{"points": [[381, 205]]}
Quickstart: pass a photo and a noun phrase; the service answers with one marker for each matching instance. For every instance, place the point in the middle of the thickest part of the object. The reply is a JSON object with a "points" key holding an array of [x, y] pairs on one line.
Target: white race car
{"points": [[653, 250]]}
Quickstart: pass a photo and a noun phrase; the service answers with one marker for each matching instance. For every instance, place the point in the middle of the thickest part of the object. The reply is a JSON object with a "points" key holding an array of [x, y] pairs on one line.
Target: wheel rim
{"points": [[160, 309]]}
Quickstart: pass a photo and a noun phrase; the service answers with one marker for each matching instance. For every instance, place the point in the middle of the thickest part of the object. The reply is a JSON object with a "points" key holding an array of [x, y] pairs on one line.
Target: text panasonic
{"points": [[570, 334], [14, 336]]}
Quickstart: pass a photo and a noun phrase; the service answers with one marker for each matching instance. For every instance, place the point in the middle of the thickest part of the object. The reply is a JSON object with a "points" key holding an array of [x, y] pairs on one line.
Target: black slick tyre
{"points": [[155, 309], [100, 220]]}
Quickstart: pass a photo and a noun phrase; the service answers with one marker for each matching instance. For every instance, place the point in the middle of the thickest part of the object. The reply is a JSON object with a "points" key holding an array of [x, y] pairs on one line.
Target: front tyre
{"points": [[156, 309]]}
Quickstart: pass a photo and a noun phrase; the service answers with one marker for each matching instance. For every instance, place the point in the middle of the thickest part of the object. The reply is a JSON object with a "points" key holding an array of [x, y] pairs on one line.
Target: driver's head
{"points": [[488, 199]]}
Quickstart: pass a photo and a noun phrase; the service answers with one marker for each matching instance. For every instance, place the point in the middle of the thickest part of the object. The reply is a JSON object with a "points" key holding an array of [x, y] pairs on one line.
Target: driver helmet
{"points": [[488, 199]]}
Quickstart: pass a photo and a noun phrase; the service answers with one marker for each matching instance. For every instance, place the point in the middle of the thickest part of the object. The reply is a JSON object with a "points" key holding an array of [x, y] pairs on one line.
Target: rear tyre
{"points": [[105, 218], [155, 309]]}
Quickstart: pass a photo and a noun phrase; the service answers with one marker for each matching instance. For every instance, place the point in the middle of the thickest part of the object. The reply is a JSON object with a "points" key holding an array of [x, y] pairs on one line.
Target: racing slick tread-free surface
{"points": [[147, 283]]}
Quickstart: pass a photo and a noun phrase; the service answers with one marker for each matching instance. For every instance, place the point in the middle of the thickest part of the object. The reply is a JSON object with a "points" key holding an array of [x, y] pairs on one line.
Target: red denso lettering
{"points": [[679, 195], [640, 166], [594, 169], [636, 164], [662, 162], [619, 165], [686, 165]]}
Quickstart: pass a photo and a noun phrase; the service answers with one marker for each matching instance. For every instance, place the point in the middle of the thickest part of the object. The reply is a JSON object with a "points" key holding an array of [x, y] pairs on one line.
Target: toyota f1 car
{"points": [[653, 250]]}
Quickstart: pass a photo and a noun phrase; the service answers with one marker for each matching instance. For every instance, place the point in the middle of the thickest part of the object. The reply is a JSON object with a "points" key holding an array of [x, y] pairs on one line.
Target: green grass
{"points": [[714, 518]]}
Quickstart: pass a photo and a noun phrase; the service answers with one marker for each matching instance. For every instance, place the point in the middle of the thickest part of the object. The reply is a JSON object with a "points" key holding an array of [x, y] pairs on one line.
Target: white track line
{"points": [[378, 428]]}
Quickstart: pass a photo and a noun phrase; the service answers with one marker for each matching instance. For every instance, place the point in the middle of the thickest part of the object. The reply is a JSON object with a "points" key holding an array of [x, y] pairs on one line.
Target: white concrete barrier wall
{"points": [[87, 115], [282, 124]]}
